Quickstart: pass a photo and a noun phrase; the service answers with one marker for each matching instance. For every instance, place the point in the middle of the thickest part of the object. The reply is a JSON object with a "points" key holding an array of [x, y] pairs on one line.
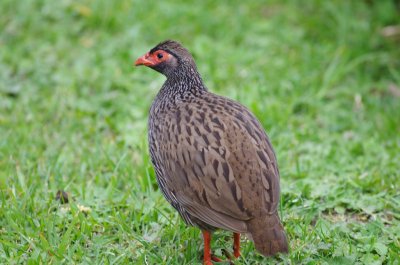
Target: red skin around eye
{"points": [[151, 59]]}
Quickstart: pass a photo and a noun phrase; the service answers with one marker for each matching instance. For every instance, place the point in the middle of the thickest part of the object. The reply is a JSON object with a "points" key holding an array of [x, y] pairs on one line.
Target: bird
{"points": [[213, 160]]}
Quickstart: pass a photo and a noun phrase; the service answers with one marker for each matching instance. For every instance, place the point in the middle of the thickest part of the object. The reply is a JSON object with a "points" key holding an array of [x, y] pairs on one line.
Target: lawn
{"points": [[323, 77]]}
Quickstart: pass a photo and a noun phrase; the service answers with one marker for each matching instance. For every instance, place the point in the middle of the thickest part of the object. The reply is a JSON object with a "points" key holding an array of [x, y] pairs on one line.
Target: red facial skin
{"points": [[152, 59]]}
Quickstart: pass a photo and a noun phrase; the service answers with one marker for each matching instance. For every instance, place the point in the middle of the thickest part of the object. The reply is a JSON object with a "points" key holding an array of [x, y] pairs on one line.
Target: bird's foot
{"points": [[216, 259], [229, 256]]}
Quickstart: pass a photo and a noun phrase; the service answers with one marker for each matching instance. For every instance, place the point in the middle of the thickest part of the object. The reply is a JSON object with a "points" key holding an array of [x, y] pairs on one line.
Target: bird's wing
{"points": [[214, 167]]}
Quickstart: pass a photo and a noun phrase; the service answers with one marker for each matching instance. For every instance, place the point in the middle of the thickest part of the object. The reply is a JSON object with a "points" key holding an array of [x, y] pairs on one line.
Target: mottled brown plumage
{"points": [[213, 160]]}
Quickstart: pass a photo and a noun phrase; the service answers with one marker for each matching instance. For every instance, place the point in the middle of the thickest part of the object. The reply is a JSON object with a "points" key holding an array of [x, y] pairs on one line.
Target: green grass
{"points": [[319, 75]]}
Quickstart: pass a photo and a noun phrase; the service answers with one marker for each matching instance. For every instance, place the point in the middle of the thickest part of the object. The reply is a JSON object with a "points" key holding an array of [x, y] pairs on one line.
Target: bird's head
{"points": [[166, 57]]}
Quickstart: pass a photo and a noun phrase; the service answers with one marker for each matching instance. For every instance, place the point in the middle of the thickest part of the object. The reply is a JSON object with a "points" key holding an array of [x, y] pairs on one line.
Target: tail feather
{"points": [[268, 235]]}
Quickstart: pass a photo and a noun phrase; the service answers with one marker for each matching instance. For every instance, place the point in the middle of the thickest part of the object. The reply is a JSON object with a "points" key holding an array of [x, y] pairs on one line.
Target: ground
{"points": [[323, 77]]}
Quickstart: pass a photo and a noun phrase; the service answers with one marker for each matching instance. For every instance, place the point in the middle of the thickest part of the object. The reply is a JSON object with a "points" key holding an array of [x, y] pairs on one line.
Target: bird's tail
{"points": [[268, 235]]}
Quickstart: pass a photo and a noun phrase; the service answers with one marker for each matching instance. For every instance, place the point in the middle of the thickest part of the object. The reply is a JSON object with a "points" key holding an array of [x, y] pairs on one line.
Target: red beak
{"points": [[146, 60]]}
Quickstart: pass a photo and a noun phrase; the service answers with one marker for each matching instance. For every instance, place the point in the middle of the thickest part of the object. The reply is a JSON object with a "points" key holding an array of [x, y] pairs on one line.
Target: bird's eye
{"points": [[160, 55]]}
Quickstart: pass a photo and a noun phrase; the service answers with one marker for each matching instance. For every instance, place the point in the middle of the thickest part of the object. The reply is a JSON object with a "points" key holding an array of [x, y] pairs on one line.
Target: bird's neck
{"points": [[186, 79]]}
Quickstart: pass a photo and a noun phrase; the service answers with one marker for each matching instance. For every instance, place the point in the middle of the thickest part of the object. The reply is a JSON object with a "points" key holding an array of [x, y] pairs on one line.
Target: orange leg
{"points": [[236, 245], [207, 249]]}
